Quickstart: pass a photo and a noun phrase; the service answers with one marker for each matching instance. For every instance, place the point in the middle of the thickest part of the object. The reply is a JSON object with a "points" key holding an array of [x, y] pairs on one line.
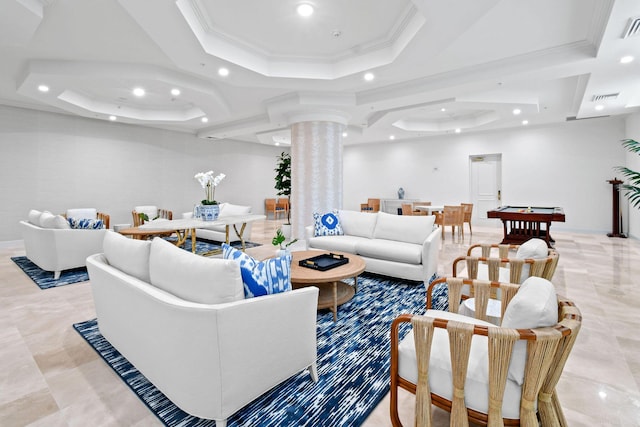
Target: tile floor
{"points": [[50, 377]]}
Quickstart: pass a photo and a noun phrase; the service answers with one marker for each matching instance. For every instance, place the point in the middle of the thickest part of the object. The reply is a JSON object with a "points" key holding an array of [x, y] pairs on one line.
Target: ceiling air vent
{"points": [[605, 97], [633, 28]]}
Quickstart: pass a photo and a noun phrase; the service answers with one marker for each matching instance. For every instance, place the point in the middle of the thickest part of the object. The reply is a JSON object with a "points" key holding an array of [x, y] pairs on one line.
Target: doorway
{"points": [[485, 184]]}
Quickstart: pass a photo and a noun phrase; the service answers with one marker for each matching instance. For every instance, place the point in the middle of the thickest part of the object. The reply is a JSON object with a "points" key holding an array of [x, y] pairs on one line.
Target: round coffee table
{"points": [[333, 291]]}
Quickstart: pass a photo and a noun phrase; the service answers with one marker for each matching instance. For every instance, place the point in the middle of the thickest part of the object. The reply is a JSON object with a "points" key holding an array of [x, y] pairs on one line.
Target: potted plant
{"points": [[283, 185], [278, 241], [632, 189], [208, 209]]}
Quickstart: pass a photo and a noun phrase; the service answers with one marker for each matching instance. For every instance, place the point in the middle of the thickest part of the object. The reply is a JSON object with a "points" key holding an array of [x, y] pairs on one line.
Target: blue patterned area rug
{"points": [[353, 365], [44, 279]]}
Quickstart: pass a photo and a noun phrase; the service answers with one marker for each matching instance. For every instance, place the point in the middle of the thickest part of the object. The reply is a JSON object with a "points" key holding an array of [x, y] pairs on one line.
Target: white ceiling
{"points": [[438, 65]]}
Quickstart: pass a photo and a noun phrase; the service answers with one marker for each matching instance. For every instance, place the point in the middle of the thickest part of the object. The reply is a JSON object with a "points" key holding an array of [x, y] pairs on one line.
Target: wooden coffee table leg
{"points": [[335, 301]]}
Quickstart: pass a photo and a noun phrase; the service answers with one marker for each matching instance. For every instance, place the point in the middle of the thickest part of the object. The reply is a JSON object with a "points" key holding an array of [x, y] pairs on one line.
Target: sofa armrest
{"points": [[430, 253]]}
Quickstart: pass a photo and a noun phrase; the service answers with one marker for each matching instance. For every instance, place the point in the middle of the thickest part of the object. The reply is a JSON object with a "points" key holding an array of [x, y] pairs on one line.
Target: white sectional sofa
{"points": [[51, 244], [218, 233], [182, 320], [393, 245]]}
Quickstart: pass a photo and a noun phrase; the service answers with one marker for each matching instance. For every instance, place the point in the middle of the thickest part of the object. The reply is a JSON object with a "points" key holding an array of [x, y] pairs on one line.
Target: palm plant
{"points": [[283, 179], [632, 188]]}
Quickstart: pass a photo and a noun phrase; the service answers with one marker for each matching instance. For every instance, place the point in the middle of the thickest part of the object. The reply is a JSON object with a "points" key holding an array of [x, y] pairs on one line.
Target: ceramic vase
{"points": [[209, 212]]}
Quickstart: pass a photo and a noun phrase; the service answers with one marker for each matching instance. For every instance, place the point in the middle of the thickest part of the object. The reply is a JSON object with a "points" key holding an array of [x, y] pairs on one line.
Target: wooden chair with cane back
{"points": [[467, 212], [483, 373], [418, 211], [407, 209], [372, 206], [271, 207], [450, 216]]}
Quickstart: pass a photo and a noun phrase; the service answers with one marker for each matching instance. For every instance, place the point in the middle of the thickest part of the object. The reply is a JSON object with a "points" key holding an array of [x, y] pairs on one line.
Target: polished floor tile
{"points": [[50, 377]]}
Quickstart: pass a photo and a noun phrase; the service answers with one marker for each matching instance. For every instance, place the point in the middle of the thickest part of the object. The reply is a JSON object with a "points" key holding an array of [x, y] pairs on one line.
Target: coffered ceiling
{"points": [[438, 67]]}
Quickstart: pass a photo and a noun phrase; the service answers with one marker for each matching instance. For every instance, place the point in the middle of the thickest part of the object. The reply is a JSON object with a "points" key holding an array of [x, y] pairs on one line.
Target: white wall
{"points": [[54, 162], [633, 163], [564, 165]]}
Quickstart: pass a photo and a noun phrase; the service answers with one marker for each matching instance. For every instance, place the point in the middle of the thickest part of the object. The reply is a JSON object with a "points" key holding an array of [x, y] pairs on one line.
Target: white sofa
{"points": [[52, 245], [218, 233], [394, 245], [182, 321]]}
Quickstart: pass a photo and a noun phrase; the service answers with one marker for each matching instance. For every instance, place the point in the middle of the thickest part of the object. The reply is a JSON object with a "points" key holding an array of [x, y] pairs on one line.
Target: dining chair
{"points": [[407, 209], [418, 211], [467, 210], [270, 206], [372, 206], [282, 205], [450, 216]]}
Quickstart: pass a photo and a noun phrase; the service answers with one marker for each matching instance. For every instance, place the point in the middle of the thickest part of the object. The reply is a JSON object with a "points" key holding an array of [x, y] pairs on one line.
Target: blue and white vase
{"points": [[209, 212]]}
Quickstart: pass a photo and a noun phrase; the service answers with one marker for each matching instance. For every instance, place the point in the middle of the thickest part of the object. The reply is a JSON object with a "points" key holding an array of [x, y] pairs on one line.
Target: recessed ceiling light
{"points": [[345, 134], [392, 137], [113, 118], [626, 59], [224, 72], [525, 122], [443, 109], [138, 91], [458, 130], [599, 107], [277, 144], [304, 9], [43, 88], [175, 91], [204, 120], [369, 76], [516, 111]]}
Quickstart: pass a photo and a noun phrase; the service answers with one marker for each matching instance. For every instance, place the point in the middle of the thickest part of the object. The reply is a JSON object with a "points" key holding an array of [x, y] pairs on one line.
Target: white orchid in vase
{"points": [[209, 182]]}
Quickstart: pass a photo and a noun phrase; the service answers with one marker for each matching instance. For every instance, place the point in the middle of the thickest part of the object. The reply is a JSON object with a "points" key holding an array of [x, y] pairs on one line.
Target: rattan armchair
{"points": [[139, 213], [271, 206], [417, 211], [506, 267], [467, 211], [462, 365], [450, 216]]}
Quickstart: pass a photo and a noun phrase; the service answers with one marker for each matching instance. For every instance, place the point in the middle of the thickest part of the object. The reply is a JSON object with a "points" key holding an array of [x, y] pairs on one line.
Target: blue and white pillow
{"points": [[327, 224], [86, 224], [267, 277]]}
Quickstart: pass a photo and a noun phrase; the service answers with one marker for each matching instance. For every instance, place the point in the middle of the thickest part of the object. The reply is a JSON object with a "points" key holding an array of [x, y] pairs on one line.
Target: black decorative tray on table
{"points": [[324, 262]]}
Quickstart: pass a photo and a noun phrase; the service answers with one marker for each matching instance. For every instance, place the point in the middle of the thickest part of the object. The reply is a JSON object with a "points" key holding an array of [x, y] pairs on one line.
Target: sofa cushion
{"points": [[535, 305], [228, 209], [403, 228], [532, 248], [193, 277], [128, 255], [407, 253], [267, 277], [54, 221], [88, 213], [34, 217], [336, 243], [476, 384], [359, 224], [327, 224], [86, 224]]}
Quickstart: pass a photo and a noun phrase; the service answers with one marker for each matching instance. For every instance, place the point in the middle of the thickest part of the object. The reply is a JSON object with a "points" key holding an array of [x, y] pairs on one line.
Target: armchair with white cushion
{"points": [[51, 243], [480, 372]]}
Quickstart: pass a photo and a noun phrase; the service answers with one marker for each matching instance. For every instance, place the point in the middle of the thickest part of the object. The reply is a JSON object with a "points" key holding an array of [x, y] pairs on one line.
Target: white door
{"points": [[485, 174]]}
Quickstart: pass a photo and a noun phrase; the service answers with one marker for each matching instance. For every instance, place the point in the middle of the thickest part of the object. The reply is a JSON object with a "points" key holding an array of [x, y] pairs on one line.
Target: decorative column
{"points": [[316, 169]]}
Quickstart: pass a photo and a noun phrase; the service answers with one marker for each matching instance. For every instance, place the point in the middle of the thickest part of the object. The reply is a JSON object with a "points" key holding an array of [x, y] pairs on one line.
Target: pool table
{"points": [[522, 223]]}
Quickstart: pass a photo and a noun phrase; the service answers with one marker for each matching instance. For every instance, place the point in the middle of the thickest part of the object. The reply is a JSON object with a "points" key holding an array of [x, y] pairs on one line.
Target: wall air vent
{"points": [[605, 97], [633, 28]]}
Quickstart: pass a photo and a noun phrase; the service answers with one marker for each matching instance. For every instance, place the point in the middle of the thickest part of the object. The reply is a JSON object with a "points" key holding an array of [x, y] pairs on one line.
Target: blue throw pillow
{"points": [[267, 277], [327, 224], [86, 224]]}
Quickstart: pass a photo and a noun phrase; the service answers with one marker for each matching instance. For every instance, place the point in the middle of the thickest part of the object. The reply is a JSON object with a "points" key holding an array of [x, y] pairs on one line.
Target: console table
{"points": [[392, 205]]}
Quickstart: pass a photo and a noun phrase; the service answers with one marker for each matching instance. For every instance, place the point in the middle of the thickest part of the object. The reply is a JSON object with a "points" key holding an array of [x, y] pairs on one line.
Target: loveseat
{"points": [[393, 245], [51, 243], [218, 233], [183, 321]]}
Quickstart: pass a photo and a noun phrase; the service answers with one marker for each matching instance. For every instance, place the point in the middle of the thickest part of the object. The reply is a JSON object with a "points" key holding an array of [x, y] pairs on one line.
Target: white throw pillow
{"points": [[227, 209], [131, 256], [403, 228], [59, 222], [34, 216], [47, 220], [193, 277], [535, 305], [532, 248]]}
